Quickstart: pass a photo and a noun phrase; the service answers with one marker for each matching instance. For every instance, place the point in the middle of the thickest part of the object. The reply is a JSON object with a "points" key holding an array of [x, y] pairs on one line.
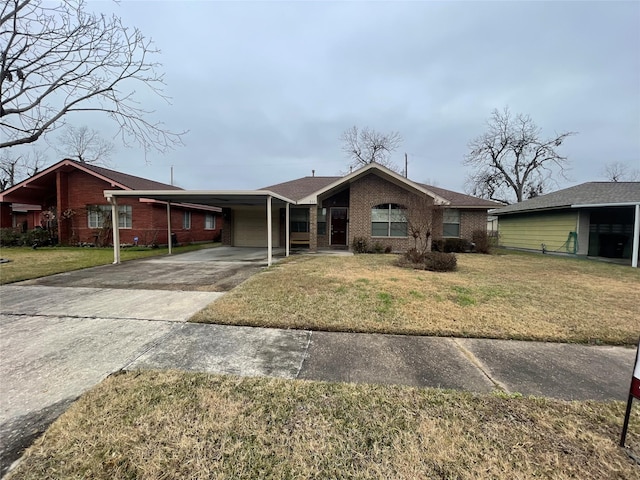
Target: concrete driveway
{"points": [[212, 269]]}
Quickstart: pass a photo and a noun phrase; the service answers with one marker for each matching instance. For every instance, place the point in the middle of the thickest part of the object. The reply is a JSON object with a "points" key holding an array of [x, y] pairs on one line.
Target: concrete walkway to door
{"points": [[61, 335]]}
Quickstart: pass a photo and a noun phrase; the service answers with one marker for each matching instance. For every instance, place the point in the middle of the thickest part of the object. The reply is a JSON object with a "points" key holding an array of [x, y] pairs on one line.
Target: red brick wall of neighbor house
{"points": [[149, 221], [472, 220], [366, 193]]}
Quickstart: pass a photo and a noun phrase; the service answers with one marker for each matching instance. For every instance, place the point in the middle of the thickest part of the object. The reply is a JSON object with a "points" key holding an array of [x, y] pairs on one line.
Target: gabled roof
{"points": [[115, 179], [302, 190], [301, 187], [462, 200], [590, 194], [130, 182]]}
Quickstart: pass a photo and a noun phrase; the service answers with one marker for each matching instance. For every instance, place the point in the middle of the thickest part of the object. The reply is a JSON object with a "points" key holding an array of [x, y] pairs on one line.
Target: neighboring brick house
{"points": [[67, 198], [375, 203]]}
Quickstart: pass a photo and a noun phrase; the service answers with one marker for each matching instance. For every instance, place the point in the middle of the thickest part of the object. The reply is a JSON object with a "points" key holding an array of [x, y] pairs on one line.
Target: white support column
{"points": [[115, 229], [286, 229], [169, 226], [636, 238], [269, 232]]}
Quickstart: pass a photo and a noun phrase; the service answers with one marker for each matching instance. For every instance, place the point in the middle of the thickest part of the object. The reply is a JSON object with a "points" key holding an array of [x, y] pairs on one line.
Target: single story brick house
{"points": [[318, 213], [67, 198], [600, 219], [375, 203]]}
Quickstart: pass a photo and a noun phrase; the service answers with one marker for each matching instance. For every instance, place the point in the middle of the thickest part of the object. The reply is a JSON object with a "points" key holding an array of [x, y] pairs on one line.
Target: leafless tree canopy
{"points": [[14, 169], [58, 59], [419, 213], [511, 160], [367, 146], [620, 172], [85, 145]]}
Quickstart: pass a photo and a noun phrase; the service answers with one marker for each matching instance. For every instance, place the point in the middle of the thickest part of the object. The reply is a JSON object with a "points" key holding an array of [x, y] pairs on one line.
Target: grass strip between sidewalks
{"points": [[149, 425], [509, 296]]}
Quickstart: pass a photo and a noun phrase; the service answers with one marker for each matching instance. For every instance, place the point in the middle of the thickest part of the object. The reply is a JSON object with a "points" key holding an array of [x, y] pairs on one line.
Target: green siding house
{"points": [[599, 219]]}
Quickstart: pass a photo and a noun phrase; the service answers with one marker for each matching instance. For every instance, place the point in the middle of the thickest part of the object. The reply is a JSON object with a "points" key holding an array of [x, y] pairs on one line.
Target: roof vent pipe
{"points": [[313, 173]]}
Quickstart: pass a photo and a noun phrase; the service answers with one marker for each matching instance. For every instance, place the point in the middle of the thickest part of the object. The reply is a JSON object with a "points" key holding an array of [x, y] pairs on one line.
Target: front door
{"points": [[339, 226]]}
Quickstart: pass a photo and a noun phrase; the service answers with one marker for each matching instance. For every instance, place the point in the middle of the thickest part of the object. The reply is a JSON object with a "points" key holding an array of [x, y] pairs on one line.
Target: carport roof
{"points": [[218, 198]]}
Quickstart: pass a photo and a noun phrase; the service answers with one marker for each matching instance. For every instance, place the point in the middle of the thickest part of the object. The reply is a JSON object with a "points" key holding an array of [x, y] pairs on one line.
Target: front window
{"points": [[322, 221], [99, 216], [388, 220], [299, 220], [186, 221], [451, 223], [210, 221]]}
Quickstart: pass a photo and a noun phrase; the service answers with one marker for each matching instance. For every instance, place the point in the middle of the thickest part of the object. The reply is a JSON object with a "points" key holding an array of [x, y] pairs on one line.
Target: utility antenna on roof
{"points": [[171, 175]]}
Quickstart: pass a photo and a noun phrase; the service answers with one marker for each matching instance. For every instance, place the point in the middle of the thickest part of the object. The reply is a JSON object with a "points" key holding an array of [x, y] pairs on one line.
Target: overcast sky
{"points": [[265, 89]]}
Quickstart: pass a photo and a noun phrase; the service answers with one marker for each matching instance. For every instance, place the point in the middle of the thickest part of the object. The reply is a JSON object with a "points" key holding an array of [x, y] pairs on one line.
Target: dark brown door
{"points": [[338, 226]]}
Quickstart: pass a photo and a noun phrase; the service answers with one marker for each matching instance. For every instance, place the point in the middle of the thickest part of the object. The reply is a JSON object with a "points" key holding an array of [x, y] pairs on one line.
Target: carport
{"points": [[227, 199]]}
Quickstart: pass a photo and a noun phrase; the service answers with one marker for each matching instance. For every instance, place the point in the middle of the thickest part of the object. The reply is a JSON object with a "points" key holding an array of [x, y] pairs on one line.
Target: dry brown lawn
{"points": [[153, 425], [515, 296]]}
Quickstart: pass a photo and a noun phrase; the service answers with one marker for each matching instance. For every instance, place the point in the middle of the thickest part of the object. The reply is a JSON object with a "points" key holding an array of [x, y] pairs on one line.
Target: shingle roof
{"points": [[301, 187], [129, 181], [305, 186], [590, 193], [460, 199]]}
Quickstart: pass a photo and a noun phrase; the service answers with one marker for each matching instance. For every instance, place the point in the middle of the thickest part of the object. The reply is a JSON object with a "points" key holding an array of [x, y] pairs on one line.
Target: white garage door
{"points": [[250, 227]]}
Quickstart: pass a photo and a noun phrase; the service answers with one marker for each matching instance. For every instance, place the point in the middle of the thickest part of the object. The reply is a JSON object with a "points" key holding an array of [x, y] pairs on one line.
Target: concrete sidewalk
{"points": [[61, 335]]}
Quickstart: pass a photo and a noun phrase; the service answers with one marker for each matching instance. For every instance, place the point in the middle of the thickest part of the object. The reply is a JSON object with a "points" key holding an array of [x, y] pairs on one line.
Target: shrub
{"points": [[433, 261], [437, 245], [359, 245], [456, 245], [481, 241], [9, 237], [37, 237], [378, 248], [440, 262], [388, 249]]}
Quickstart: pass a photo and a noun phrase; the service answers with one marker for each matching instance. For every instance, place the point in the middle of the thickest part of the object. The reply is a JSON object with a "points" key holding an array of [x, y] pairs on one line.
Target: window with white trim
{"points": [[451, 223], [186, 221], [99, 216], [210, 221], [388, 220]]}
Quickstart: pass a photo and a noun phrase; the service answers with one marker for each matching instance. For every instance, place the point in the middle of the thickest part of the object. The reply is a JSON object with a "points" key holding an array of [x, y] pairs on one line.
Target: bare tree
{"points": [[57, 59], [511, 160], [620, 172], [367, 146], [14, 169], [419, 214], [85, 145]]}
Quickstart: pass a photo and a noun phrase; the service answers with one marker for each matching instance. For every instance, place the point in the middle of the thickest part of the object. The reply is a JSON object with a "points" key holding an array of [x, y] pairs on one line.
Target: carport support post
{"points": [[636, 238], [286, 229], [115, 229], [169, 226]]}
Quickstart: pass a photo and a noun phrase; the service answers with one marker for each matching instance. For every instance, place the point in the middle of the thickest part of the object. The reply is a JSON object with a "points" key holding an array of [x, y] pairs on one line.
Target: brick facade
{"points": [[366, 192], [72, 191]]}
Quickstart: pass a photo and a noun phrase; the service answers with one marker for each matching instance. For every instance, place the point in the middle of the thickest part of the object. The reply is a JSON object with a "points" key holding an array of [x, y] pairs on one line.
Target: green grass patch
{"points": [[149, 425], [27, 263]]}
